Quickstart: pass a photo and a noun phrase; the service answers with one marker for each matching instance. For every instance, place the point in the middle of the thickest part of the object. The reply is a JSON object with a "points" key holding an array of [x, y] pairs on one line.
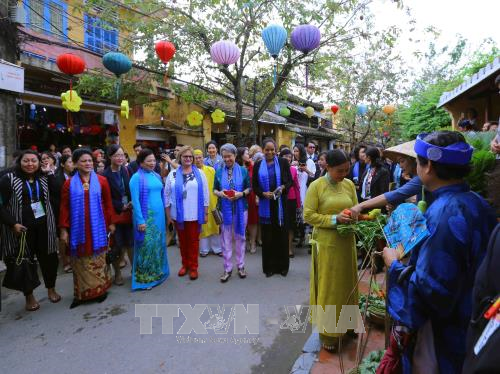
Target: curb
{"points": [[306, 360]]}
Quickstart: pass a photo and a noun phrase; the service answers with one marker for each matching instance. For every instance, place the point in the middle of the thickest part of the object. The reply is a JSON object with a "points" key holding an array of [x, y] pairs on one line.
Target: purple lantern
{"points": [[225, 52], [305, 38]]}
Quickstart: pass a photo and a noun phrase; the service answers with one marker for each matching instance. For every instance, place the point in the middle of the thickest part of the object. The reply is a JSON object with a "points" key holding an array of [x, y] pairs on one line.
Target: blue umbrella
{"points": [[274, 37]]}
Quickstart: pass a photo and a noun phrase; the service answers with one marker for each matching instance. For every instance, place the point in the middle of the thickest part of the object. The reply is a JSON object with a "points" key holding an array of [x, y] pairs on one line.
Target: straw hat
{"points": [[405, 149]]}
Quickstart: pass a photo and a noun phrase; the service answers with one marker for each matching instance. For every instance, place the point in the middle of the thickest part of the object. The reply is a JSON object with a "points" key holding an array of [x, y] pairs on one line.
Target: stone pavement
{"points": [[105, 338]]}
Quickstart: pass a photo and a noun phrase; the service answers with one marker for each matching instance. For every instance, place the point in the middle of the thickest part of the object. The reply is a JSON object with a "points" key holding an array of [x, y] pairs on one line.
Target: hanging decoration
{"points": [[70, 64], [362, 109], [218, 116], [274, 37], [32, 111], [225, 53], [284, 111], [194, 119], [118, 64], [165, 51], [334, 108], [71, 101], [389, 109], [306, 38], [124, 109], [309, 111]]}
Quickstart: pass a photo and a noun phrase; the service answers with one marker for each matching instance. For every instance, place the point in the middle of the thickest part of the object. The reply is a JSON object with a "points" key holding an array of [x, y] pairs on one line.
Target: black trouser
{"points": [[37, 243], [274, 248]]}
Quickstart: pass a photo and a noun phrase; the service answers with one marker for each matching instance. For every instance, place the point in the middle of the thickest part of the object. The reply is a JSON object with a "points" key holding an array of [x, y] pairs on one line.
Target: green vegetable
{"points": [[367, 232], [370, 363]]}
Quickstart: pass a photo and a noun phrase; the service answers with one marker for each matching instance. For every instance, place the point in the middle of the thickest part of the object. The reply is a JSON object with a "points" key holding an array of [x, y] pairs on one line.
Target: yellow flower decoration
{"points": [[218, 116], [194, 118], [71, 102], [124, 109]]}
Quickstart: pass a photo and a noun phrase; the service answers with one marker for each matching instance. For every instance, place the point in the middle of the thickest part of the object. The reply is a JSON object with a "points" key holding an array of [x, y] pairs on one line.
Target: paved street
{"points": [[104, 338]]}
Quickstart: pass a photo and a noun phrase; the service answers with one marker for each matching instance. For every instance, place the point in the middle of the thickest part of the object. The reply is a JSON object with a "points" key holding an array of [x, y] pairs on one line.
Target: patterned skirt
{"points": [[91, 276]]}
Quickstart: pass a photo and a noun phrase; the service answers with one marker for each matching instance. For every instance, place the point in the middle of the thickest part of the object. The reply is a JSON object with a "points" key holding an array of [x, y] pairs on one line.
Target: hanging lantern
{"points": [[386, 134], [284, 111], [306, 38], [389, 109], [218, 116], [309, 111], [362, 109], [118, 64], [124, 109], [225, 52], [274, 37], [334, 108], [194, 119], [165, 51], [70, 64]]}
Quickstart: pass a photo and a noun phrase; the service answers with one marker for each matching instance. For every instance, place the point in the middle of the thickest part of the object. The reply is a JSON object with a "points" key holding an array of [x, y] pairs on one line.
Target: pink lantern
{"points": [[225, 52]]}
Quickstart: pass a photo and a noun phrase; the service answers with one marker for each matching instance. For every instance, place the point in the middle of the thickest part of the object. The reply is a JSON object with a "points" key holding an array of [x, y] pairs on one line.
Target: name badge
{"points": [[38, 210], [490, 328], [125, 200]]}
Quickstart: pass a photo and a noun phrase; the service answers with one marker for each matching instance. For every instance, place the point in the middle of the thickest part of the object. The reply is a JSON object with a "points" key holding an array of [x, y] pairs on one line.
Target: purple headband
{"points": [[454, 154]]}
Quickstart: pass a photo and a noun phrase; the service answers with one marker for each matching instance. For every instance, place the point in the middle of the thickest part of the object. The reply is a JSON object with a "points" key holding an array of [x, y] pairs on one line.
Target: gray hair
{"points": [[258, 156], [228, 147]]}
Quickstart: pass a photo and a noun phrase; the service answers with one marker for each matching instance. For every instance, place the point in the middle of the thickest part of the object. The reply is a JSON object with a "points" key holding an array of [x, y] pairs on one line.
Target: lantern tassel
{"points": [[165, 77], [70, 89], [307, 76], [118, 86]]}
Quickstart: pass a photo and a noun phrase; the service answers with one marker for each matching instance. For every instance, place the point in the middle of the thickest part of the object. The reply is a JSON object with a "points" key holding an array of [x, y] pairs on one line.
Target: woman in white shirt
{"points": [[186, 205]]}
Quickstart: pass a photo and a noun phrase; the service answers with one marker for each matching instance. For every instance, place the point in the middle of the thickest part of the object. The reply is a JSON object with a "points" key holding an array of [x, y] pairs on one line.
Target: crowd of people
{"points": [[92, 209]]}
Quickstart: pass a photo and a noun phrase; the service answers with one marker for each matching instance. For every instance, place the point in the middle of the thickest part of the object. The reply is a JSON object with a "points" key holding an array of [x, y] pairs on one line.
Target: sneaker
{"points": [[219, 254], [182, 272], [193, 274], [242, 273], [225, 277], [203, 254]]}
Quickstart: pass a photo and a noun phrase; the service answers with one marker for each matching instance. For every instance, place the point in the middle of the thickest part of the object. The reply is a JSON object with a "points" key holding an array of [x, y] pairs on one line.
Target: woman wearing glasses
{"points": [[186, 205]]}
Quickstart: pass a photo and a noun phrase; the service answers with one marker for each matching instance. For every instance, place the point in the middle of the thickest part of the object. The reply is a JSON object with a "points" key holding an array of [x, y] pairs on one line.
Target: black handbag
{"points": [[22, 271], [113, 252], [217, 216]]}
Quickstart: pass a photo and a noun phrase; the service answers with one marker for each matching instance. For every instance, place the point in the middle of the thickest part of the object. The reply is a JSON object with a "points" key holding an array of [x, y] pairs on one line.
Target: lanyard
{"points": [[31, 193]]}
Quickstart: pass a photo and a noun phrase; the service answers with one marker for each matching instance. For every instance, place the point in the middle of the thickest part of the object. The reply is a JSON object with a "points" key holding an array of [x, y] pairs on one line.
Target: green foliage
{"points": [[370, 363], [483, 160]]}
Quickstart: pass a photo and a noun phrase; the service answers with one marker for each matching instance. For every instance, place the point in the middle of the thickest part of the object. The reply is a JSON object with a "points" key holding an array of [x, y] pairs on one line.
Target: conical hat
{"points": [[405, 149]]}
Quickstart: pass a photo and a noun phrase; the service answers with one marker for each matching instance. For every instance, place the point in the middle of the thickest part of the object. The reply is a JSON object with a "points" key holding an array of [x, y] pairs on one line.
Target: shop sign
{"points": [[11, 77]]}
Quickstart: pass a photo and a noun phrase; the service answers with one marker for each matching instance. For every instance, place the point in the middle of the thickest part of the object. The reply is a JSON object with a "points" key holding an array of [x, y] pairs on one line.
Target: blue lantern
{"points": [[362, 109], [274, 37], [118, 64]]}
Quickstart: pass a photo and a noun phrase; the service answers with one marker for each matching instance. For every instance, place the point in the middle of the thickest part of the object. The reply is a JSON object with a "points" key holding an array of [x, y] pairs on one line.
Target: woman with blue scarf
{"points": [[186, 205], [232, 185], [271, 180], [150, 265], [86, 217]]}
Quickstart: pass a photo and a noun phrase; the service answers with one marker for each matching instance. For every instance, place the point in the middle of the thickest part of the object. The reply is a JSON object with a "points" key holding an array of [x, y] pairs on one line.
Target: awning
{"points": [[320, 133], [477, 78]]}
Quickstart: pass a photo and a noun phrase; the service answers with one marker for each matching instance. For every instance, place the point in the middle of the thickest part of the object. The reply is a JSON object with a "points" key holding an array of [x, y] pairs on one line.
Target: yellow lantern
{"points": [[309, 111], [218, 116], [389, 109], [71, 101], [124, 109], [194, 119]]}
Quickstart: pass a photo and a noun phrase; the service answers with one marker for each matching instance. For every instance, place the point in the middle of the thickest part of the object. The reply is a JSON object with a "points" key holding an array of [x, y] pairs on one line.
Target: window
{"points": [[48, 17], [100, 36]]}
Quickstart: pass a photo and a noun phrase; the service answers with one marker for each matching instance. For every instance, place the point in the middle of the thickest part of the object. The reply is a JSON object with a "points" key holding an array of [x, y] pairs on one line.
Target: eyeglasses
{"points": [[312, 146], [187, 157], [118, 156]]}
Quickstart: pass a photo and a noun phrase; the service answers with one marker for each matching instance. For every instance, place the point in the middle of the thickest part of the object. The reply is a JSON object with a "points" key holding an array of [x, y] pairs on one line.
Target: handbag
{"points": [[299, 216], [22, 271], [113, 253], [217, 216], [124, 218]]}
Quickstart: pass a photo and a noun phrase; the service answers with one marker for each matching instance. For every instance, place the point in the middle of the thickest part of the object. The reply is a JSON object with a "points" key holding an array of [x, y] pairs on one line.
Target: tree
{"points": [[196, 26]]}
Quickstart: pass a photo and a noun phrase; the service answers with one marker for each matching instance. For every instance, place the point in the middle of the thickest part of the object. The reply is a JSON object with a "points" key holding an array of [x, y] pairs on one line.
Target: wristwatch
{"points": [[244, 193]]}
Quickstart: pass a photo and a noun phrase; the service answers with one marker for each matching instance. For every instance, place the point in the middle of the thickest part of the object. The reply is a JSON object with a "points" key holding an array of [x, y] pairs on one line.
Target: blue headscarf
{"points": [[77, 206], [179, 198], [239, 205], [143, 200], [265, 204]]}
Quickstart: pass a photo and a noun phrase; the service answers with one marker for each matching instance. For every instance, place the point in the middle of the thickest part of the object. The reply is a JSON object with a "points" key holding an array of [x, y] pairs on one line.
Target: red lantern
{"points": [[70, 64], [335, 108], [165, 51], [386, 134]]}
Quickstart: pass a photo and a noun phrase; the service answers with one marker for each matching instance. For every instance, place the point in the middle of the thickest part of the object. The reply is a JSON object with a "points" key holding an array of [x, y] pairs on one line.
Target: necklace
{"points": [[86, 184]]}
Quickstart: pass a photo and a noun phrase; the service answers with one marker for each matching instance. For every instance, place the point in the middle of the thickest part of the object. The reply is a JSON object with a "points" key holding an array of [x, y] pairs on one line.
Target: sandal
{"points": [[55, 300], [67, 269], [32, 308]]}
